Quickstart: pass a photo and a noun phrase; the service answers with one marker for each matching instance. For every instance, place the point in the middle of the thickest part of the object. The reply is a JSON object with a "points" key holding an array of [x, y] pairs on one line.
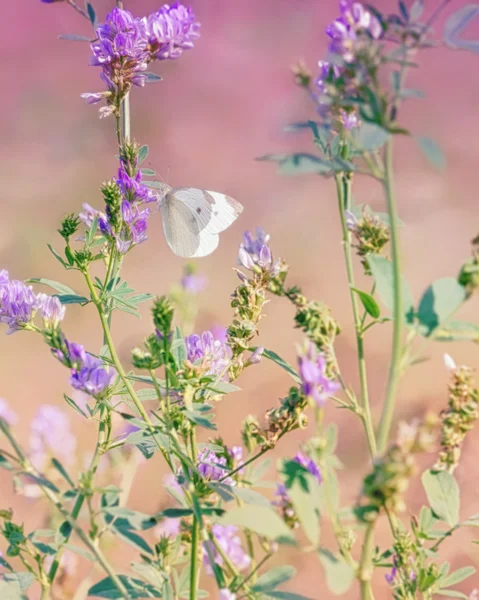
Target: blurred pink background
{"points": [[218, 108]]}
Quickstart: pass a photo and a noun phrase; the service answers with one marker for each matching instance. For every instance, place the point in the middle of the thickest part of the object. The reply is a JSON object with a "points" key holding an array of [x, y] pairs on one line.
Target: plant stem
{"points": [[54, 499], [78, 9], [194, 571], [245, 464], [45, 593], [365, 565], [395, 367], [343, 187], [102, 438]]}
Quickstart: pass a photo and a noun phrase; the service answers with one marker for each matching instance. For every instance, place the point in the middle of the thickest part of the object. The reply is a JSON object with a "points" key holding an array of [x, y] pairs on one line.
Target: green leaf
{"points": [[452, 594], [260, 519], [143, 153], [90, 12], [300, 163], [339, 575], [286, 595], [148, 172], [370, 137], [382, 270], [41, 481], [201, 420], [72, 299], [369, 303], [135, 587], [439, 302], [457, 331], [63, 472], [74, 405], [432, 151], [152, 77], [136, 520], [249, 496], [282, 363], [457, 577], [442, 492], [81, 552], [303, 490], [59, 287], [57, 256], [22, 580], [178, 348], [458, 21], [73, 37], [273, 579], [223, 387]]}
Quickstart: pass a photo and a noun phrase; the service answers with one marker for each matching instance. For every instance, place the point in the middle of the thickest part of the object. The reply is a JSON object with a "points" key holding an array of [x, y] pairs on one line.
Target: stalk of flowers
{"points": [[127, 204], [460, 416], [250, 297], [126, 45], [371, 234], [384, 487]]}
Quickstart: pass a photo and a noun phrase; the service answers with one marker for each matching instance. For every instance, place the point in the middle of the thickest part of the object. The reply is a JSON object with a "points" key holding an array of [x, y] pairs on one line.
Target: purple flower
{"points": [[309, 465], [213, 467], [50, 435], [74, 357], [4, 279], [315, 383], [6, 413], [92, 376], [230, 542], [256, 254], [192, 283], [355, 21], [170, 31], [210, 352], [51, 310], [89, 214], [169, 528], [133, 189], [226, 595], [18, 303], [256, 356]]}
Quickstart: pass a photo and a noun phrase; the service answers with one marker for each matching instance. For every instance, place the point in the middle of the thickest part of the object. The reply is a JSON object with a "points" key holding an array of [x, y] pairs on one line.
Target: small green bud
{"points": [[163, 313], [69, 226]]}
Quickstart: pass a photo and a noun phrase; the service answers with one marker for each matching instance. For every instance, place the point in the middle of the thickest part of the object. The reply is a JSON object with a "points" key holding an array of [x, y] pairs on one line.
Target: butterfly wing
{"points": [[224, 212], [180, 227], [192, 230]]}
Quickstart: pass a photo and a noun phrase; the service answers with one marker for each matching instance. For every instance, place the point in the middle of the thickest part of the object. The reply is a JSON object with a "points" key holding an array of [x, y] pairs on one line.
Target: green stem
{"points": [[245, 464], [45, 593], [343, 186], [194, 571], [54, 499], [102, 438], [366, 564], [78, 9], [395, 367]]}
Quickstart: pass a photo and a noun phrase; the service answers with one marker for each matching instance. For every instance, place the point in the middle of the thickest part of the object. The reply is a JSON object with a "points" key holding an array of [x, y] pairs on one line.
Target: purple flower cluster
{"points": [[354, 22], [193, 283], [392, 576], [50, 435], [88, 373], [316, 385], [19, 304], [6, 413], [230, 542], [125, 45], [213, 467], [134, 212], [255, 254], [355, 27], [212, 354]]}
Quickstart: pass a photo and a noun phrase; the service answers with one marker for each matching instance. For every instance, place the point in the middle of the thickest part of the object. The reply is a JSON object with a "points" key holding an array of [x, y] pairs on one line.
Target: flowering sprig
{"points": [[126, 45]]}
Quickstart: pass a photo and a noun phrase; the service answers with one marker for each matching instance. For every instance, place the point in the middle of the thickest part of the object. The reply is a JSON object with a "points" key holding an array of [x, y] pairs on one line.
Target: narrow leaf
{"points": [[135, 587], [432, 151], [260, 519], [369, 303], [59, 287], [382, 270], [282, 363]]}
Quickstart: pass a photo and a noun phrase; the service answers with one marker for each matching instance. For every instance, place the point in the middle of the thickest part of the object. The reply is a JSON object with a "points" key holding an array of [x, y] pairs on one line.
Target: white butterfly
{"points": [[193, 218]]}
